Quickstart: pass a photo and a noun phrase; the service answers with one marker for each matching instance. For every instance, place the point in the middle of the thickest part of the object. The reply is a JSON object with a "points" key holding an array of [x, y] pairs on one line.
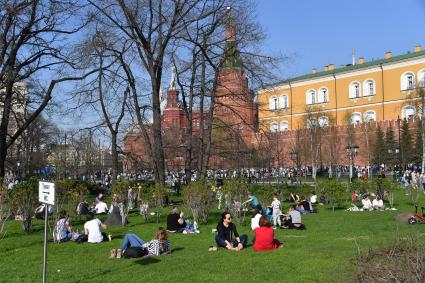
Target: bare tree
{"points": [[33, 45]]}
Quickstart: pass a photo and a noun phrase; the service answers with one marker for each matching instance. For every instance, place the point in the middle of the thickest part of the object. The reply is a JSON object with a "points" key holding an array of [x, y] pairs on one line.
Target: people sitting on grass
{"points": [[264, 236], [92, 230], [305, 206], [175, 221], [255, 220], [227, 235], [377, 203], [63, 230], [367, 204], [82, 208], [313, 198], [294, 198], [253, 201], [293, 219], [133, 246], [276, 206], [98, 199], [101, 208], [354, 196]]}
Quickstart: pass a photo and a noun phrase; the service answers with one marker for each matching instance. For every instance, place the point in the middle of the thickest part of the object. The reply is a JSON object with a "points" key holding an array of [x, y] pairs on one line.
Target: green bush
{"points": [[264, 193], [196, 196], [24, 200], [334, 192], [69, 193], [235, 192], [119, 189]]}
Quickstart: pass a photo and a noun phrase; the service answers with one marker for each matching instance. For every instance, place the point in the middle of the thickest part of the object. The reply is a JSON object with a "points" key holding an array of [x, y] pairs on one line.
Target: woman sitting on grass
{"points": [[63, 230], [133, 246], [227, 235], [264, 236]]}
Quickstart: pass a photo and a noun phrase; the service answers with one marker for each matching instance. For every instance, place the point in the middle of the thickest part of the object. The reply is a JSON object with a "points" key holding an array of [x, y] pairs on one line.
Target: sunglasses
{"points": [[229, 218]]}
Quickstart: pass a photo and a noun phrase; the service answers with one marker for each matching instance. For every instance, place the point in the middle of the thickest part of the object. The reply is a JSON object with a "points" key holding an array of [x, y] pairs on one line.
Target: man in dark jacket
{"points": [[227, 235]]}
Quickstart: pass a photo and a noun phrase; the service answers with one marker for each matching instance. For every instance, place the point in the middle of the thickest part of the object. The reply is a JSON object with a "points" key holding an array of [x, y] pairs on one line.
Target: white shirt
{"points": [[101, 207], [255, 222], [378, 203], [366, 204], [313, 199], [276, 205], [93, 229]]}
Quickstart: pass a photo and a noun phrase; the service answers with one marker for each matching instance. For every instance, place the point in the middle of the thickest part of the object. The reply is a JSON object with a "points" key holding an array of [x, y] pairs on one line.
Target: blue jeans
{"points": [[222, 242], [67, 237], [131, 240]]}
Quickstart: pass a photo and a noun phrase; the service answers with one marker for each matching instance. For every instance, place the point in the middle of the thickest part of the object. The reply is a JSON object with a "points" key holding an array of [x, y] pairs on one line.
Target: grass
{"points": [[322, 253]]}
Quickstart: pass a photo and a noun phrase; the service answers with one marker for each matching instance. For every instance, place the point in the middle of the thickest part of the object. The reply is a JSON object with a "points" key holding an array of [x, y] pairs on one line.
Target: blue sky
{"points": [[315, 33]]}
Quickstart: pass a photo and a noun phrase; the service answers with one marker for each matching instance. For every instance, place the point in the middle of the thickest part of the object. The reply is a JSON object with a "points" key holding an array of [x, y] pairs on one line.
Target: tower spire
{"points": [[172, 85], [232, 57]]}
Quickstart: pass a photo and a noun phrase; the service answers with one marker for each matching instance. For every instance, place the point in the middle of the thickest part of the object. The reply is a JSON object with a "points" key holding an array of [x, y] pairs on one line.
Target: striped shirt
{"points": [[154, 247]]}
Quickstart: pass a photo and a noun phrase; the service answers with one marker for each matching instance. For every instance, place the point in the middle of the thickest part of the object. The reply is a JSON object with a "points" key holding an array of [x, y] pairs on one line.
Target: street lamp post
{"points": [[18, 169], [394, 152], [352, 151]]}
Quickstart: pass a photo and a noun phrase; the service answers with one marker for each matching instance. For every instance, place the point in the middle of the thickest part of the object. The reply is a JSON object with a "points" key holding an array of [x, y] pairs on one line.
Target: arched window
{"points": [[283, 101], [274, 127], [407, 81], [421, 78], [369, 87], [323, 95], [356, 118], [369, 116], [311, 97], [284, 126], [408, 112], [323, 121], [273, 104], [354, 91]]}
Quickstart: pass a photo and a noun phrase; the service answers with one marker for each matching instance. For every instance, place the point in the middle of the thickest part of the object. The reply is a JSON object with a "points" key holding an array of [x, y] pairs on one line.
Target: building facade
{"points": [[378, 90]]}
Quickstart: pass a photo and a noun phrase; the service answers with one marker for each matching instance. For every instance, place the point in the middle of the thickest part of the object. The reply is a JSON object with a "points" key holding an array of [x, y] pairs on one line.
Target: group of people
{"points": [[367, 204], [92, 233]]}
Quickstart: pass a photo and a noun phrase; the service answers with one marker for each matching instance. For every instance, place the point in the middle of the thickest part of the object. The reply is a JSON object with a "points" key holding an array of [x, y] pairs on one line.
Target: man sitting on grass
{"points": [[92, 230], [175, 221], [227, 235], [293, 219]]}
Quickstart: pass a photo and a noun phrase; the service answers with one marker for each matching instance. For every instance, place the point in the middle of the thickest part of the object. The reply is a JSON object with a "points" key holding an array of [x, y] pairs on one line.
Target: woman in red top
{"points": [[264, 236]]}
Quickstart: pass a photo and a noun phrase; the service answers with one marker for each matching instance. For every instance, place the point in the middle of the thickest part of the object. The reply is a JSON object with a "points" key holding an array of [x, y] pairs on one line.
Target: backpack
{"points": [[134, 252]]}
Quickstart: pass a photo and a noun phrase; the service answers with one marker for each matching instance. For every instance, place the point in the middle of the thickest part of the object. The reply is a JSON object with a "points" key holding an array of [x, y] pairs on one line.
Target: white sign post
{"points": [[46, 195]]}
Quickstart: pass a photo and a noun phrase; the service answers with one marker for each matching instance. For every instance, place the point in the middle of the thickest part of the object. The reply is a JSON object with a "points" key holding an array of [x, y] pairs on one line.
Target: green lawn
{"points": [[322, 253]]}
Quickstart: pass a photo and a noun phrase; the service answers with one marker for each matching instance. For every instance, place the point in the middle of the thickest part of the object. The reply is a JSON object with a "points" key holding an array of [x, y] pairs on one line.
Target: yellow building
{"points": [[366, 91]]}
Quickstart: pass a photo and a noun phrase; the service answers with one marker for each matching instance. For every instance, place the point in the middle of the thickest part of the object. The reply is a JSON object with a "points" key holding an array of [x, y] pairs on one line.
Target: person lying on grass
{"points": [[227, 235], [264, 236], [133, 246]]}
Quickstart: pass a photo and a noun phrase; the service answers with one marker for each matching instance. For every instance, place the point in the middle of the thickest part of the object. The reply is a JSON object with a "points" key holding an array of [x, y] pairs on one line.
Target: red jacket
{"points": [[264, 239]]}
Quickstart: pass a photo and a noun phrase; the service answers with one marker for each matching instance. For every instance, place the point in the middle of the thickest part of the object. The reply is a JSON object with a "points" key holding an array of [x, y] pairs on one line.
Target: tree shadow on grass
{"points": [[147, 260]]}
